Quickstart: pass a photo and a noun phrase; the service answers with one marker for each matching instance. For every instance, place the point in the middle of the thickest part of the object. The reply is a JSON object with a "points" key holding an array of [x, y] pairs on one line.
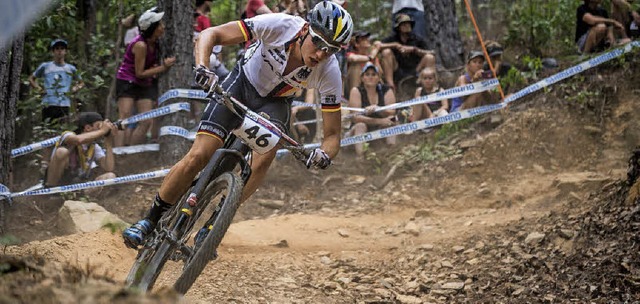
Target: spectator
{"points": [[370, 95], [473, 73], [202, 22], [622, 11], [77, 153], [254, 8], [404, 54], [292, 7], [594, 28], [414, 9], [132, 29], [58, 78], [428, 84], [360, 53], [135, 78], [501, 67]]}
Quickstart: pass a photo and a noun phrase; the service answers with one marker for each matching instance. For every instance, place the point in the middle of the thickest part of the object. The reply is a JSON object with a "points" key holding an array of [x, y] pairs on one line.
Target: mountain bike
{"points": [[210, 203]]}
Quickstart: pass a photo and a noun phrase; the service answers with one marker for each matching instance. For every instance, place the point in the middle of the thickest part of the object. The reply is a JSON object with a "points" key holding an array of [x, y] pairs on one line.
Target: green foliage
{"points": [[541, 26], [533, 66]]}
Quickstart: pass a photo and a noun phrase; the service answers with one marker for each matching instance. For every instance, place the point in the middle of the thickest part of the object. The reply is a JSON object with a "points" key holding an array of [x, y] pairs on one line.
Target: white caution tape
{"points": [[136, 149], [472, 88], [177, 131], [182, 93], [172, 108], [34, 147], [4, 191], [572, 71], [176, 107]]}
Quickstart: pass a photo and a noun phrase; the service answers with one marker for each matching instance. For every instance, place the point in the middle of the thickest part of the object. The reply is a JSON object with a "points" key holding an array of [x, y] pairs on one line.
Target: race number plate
{"points": [[257, 133]]}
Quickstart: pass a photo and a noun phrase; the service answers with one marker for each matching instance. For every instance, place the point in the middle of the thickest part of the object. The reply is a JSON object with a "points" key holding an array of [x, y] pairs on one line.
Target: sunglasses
{"points": [[322, 44]]}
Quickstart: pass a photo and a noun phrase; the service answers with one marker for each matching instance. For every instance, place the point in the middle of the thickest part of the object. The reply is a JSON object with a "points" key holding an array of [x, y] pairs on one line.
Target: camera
{"points": [[487, 74]]}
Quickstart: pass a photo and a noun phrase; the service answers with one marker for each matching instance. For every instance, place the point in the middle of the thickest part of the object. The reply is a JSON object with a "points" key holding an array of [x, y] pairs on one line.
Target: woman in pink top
{"points": [[135, 83]]}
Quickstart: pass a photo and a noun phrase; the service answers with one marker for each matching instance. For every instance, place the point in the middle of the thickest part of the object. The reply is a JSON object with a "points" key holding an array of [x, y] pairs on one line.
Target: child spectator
{"points": [[76, 153], [473, 73], [134, 80], [360, 53], [370, 95], [594, 28], [58, 78], [415, 9], [404, 54], [428, 84], [622, 11]]}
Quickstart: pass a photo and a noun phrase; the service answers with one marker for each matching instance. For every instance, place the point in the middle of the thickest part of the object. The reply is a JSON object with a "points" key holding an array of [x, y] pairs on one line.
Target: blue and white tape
{"points": [[182, 93], [472, 88], [136, 149], [4, 191], [176, 107], [572, 71]]}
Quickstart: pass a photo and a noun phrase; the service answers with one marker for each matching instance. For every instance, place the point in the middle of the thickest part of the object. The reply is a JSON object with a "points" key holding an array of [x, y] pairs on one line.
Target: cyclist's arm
{"points": [[331, 129], [233, 32]]}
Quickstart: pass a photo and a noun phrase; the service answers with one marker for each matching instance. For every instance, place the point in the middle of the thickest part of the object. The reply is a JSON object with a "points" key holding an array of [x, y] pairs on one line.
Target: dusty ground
{"points": [[530, 207]]}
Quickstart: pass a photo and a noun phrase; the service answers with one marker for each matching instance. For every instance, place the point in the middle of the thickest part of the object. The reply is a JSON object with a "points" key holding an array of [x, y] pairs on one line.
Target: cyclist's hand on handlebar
{"points": [[205, 78], [318, 159]]}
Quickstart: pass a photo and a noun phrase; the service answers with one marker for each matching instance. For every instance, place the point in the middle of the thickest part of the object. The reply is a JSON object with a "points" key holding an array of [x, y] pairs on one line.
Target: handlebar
{"points": [[297, 150]]}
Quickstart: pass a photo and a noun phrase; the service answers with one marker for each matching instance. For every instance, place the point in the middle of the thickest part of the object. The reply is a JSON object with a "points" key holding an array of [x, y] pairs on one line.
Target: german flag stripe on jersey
{"points": [[245, 30], [331, 107], [282, 90], [207, 133]]}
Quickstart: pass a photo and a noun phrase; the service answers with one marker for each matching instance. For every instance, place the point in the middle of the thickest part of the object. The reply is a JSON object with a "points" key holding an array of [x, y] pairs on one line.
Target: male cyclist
{"points": [[289, 54]]}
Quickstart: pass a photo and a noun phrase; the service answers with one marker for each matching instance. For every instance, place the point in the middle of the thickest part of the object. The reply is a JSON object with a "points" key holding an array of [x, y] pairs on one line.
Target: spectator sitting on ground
{"points": [[622, 11], [404, 54], [76, 153], [360, 53], [370, 95], [428, 84], [413, 8], [134, 80], [594, 28], [472, 73]]}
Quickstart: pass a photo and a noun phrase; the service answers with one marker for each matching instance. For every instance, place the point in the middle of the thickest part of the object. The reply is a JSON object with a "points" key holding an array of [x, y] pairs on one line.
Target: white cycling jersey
{"points": [[275, 36]]}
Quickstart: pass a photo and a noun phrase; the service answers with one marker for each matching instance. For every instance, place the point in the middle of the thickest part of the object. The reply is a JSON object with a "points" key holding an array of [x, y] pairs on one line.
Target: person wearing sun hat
{"points": [[77, 153], [404, 53], [135, 85], [58, 79], [370, 95], [413, 9]]}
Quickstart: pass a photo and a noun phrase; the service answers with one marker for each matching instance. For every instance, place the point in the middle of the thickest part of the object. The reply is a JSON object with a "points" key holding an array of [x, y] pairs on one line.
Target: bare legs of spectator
{"points": [[139, 134], [358, 129], [353, 77], [596, 34], [58, 162], [390, 64], [125, 110]]}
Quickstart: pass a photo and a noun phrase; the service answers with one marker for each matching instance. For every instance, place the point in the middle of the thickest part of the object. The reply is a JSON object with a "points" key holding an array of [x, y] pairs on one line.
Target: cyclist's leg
{"points": [[183, 172], [259, 165]]}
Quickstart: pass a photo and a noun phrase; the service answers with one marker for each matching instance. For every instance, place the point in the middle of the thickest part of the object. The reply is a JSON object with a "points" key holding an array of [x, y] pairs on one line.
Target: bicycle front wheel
{"points": [[230, 184]]}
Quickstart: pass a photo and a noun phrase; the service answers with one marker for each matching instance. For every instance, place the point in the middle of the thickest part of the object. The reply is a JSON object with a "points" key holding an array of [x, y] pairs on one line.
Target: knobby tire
{"points": [[206, 253]]}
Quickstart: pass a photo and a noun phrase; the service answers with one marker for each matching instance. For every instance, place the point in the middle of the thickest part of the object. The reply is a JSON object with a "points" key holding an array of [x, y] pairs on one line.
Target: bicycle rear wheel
{"points": [[231, 184]]}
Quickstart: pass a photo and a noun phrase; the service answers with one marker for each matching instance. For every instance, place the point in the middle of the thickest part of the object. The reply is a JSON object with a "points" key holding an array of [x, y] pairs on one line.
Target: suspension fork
{"points": [[223, 160]]}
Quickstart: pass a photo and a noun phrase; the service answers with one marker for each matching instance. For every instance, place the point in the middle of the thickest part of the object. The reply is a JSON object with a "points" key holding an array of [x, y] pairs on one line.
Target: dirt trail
{"points": [[434, 224]]}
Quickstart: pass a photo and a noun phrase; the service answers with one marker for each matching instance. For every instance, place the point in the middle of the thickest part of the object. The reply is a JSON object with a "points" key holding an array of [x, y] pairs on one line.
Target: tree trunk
{"points": [[10, 67], [87, 13], [442, 32], [178, 42]]}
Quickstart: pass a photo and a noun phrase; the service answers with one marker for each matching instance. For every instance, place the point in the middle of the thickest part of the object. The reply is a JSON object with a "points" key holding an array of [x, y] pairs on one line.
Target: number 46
{"points": [[261, 141]]}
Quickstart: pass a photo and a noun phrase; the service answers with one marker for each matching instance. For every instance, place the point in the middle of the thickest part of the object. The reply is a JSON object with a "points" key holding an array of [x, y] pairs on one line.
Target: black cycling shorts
{"points": [[217, 120], [126, 88]]}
